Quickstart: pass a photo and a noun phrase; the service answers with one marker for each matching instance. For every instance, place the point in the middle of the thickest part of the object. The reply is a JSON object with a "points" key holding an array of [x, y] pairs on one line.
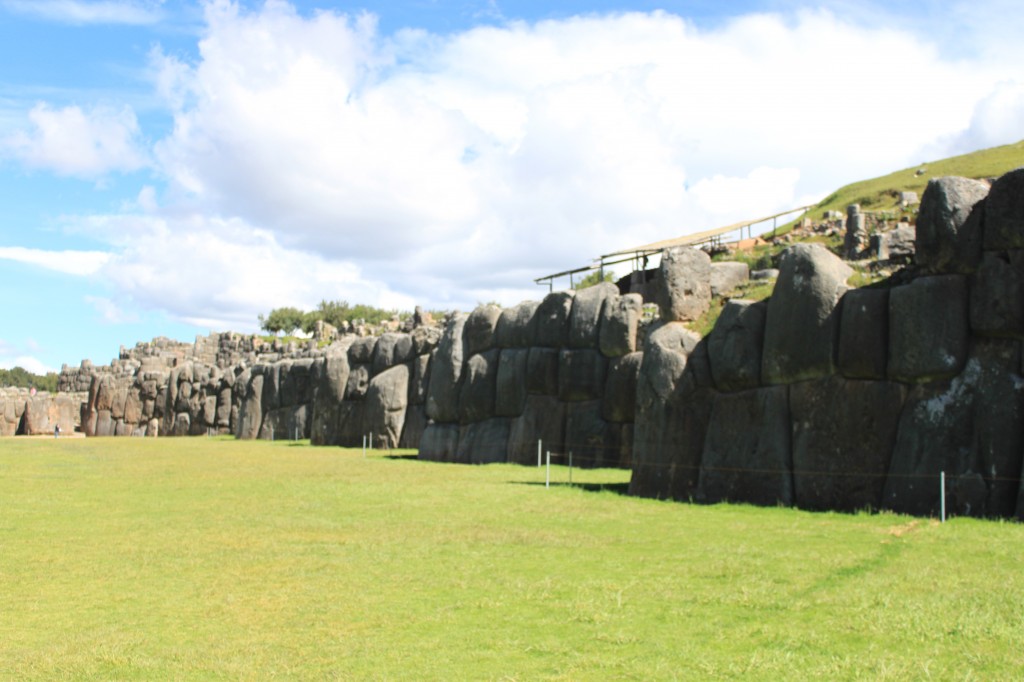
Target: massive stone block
{"points": [[727, 276], [480, 380], [385, 406], [620, 317], [1004, 212], [747, 454], [585, 318], [588, 436], [843, 437], [250, 414], [968, 427], [517, 326], [420, 380], [391, 349], [358, 381], [510, 392], [802, 326], [581, 374], [361, 351], [414, 427], [684, 284], [997, 294], [672, 411], [864, 334], [619, 402], [735, 345], [552, 319], [949, 231], [542, 371], [928, 328], [543, 419], [481, 329], [440, 442], [484, 442], [446, 373]]}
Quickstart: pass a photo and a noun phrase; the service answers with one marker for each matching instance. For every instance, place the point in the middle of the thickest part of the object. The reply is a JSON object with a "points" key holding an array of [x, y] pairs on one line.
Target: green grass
{"points": [[130, 559]]}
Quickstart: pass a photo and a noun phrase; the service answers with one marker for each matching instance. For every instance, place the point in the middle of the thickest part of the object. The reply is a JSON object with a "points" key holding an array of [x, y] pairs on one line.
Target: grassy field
{"points": [[183, 559]]}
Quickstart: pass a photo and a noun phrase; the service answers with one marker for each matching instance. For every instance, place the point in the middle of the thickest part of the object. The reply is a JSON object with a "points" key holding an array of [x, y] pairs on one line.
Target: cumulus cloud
{"points": [[67, 262], [75, 142], [998, 118], [83, 12], [12, 356], [313, 157]]}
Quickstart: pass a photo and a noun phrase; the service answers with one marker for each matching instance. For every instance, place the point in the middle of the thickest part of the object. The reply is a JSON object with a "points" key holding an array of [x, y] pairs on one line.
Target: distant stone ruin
{"points": [[821, 397]]}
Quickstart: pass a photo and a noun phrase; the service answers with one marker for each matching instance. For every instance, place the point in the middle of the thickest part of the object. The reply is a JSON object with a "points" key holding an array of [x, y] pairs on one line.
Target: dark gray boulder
{"points": [[414, 427], [481, 326], [543, 419], [250, 414], [552, 319], [420, 380], [479, 386], [391, 349], [585, 318], [949, 225], [446, 373], [620, 318], [843, 437], [969, 425], [747, 454], [619, 401], [684, 284], [588, 437], [517, 326], [928, 328], [358, 381], [484, 442], [330, 377], [581, 374], [439, 443], [542, 371], [510, 391], [864, 334], [735, 345], [360, 352], [803, 320], [1004, 212], [997, 294]]}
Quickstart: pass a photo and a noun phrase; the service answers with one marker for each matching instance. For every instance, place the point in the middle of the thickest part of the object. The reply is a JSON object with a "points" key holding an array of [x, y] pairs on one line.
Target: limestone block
{"points": [[543, 419], [684, 284], [182, 424], [727, 276], [949, 230], [425, 339], [971, 425], [517, 326], [385, 406], [928, 328], [587, 436], [843, 437], [351, 428], [1004, 212], [585, 318], [619, 320], [801, 329], [481, 328], [484, 442], [479, 386], [746, 454], [358, 382], [619, 402], [250, 413], [440, 442], [104, 423], [420, 380], [391, 349], [542, 371], [361, 351], [414, 426], [271, 386], [864, 334], [552, 319], [510, 391], [222, 416], [581, 374], [997, 294], [736, 344], [446, 373]]}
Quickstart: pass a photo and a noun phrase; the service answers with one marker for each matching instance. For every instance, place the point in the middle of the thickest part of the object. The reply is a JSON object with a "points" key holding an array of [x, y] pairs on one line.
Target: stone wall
{"points": [[829, 398], [23, 413]]}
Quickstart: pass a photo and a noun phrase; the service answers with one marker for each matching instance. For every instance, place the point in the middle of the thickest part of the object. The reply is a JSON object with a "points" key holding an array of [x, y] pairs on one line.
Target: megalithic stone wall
{"points": [[828, 398], [562, 371], [24, 413]]}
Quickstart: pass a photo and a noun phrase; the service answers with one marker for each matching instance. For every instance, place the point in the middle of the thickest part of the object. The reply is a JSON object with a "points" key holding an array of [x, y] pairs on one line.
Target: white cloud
{"points": [[12, 356], [82, 12], [70, 141], [998, 118], [313, 158], [67, 262]]}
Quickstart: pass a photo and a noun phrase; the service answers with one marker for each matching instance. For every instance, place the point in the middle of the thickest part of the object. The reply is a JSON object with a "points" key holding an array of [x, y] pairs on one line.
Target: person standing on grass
{"points": [[56, 431]]}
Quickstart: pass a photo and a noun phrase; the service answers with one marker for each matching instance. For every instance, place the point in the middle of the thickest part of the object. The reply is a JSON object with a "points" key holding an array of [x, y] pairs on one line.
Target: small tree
{"points": [[595, 278], [282, 320]]}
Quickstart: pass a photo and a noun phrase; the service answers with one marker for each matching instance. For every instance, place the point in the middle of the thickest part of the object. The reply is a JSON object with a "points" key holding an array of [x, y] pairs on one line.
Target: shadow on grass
{"points": [[616, 488], [401, 455]]}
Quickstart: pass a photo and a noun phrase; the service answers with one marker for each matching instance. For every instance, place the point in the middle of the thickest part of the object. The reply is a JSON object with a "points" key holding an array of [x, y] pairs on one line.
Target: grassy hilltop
{"points": [[200, 558]]}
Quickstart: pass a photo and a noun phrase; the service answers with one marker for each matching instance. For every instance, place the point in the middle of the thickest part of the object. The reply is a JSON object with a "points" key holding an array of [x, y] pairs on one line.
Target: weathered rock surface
{"points": [[684, 284], [864, 334], [949, 232], [736, 345], [928, 328], [727, 276], [585, 318], [1004, 212], [619, 320]]}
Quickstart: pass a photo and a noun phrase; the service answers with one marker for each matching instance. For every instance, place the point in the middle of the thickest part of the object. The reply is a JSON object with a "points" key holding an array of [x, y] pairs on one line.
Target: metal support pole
{"points": [[942, 494], [547, 478]]}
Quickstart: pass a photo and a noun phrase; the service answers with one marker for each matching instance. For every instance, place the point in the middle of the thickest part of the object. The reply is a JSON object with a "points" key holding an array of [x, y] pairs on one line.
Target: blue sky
{"points": [[175, 168]]}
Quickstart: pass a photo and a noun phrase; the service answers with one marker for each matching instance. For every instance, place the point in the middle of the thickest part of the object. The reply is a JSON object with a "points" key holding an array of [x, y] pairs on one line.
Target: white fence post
{"points": [[942, 494], [547, 478]]}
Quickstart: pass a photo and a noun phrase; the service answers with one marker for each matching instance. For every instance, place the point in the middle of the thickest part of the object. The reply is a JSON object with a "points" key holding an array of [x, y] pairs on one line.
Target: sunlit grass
{"points": [[212, 559]]}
